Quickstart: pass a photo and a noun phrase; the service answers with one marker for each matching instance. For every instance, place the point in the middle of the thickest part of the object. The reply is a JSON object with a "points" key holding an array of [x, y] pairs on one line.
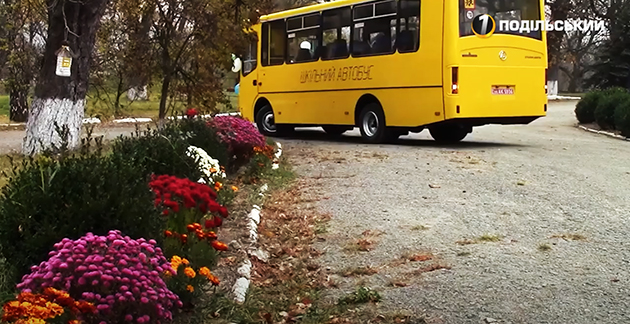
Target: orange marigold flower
{"points": [[213, 170], [197, 226], [190, 288], [219, 245], [204, 271], [74, 322], [234, 188], [218, 185], [214, 279], [190, 227], [185, 261], [189, 272]]}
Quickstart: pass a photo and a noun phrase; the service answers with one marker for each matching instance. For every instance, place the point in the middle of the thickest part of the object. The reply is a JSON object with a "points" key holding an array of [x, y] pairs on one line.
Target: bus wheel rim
{"points": [[268, 123], [370, 124]]}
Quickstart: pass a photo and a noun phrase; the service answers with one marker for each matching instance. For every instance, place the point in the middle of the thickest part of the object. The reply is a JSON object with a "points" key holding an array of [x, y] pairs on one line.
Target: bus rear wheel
{"points": [[266, 123], [372, 124], [449, 133], [335, 130]]}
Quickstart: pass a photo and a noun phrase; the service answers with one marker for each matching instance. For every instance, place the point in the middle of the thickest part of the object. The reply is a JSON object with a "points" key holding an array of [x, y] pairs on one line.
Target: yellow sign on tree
{"points": [[469, 4]]}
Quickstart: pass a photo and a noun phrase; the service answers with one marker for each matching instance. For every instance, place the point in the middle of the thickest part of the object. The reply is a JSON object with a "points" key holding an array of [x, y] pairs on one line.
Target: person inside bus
{"points": [[381, 44], [339, 48], [404, 41]]}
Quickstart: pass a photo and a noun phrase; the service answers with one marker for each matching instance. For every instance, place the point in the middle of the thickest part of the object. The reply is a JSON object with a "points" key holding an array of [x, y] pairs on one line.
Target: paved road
{"points": [[11, 140], [556, 198]]}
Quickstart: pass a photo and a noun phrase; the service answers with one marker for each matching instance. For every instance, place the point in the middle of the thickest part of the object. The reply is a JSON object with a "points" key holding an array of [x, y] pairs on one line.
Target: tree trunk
{"points": [[61, 100], [18, 103], [164, 97]]}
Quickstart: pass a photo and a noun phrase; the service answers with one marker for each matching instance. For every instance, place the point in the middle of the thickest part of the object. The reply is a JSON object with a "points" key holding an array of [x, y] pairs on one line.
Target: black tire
{"points": [[267, 126], [449, 133], [335, 130], [372, 124]]}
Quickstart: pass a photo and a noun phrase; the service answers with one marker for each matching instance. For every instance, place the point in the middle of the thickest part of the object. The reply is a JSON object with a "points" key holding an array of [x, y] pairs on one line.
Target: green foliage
{"points": [[67, 195], [622, 118], [605, 111], [157, 151], [585, 108]]}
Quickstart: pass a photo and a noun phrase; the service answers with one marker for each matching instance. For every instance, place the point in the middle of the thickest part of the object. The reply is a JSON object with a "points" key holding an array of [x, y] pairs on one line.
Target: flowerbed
{"points": [[133, 234]]}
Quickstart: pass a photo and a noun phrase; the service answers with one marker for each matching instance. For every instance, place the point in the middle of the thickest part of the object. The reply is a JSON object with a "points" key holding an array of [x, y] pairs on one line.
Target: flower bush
{"points": [[188, 281], [52, 304], [263, 158], [208, 166], [239, 135], [187, 205], [121, 276]]}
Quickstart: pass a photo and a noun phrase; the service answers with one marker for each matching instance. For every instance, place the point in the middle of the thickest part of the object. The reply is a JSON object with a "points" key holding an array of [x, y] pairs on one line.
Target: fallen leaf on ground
{"points": [[434, 186]]}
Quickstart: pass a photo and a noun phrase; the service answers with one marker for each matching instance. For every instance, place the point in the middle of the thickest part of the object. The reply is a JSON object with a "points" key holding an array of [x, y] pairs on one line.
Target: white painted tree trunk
{"points": [[552, 87], [41, 133], [138, 93]]}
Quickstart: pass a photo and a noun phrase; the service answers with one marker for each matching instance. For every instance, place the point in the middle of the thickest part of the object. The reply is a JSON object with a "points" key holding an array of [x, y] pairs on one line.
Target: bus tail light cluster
{"points": [[454, 80]]}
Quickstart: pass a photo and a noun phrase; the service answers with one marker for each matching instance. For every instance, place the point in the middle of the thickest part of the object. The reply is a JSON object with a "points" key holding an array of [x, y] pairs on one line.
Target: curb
{"points": [[241, 286], [609, 134]]}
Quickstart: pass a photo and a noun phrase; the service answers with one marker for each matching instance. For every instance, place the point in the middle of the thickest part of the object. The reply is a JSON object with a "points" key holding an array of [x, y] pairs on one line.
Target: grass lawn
{"points": [[130, 109]]}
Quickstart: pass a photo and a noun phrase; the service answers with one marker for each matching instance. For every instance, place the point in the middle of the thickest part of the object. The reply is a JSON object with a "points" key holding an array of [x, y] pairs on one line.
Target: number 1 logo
{"points": [[484, 25]]}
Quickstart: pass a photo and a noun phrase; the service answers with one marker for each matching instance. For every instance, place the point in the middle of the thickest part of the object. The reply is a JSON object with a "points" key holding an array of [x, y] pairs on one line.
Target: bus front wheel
{"points": [[449, 133], [266, 123], [372, 124]]}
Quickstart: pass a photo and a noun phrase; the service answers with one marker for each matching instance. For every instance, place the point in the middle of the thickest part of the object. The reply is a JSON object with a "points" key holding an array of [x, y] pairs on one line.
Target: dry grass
{"points": [[544, 247], [358, 271], [481, 239], [365, 243], [570, 237]]}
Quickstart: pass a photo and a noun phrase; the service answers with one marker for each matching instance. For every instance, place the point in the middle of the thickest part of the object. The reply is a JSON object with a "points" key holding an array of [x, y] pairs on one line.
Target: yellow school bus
{"points": [[390, 67]]}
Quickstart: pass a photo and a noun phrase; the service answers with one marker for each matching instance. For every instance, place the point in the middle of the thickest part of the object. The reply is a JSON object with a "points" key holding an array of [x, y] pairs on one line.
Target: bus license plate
{"points": [[502, 90]]}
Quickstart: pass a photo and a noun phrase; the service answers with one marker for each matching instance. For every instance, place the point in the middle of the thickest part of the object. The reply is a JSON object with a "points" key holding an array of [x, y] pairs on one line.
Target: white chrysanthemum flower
{"points": [[209, 167]]}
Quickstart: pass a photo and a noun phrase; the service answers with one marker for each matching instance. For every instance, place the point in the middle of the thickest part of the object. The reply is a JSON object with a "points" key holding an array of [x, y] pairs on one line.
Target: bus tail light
{"points": [[546, 80], [454, 80]]}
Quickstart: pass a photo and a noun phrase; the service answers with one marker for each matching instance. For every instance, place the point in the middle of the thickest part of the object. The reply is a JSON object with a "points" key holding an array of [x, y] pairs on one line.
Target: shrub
{"points": [[585, 108], [157, 152], [605, 111], [48, 199], [239, 135], [119, 275], [622, 118]]}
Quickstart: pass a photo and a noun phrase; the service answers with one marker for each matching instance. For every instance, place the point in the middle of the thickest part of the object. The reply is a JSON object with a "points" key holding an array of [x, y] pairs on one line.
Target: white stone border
{"points": [[131, 120], [242, 284], [556, 97], [609, 134]]}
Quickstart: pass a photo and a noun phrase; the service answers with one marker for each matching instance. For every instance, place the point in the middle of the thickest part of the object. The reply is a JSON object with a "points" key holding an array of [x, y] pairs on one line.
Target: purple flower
{"points": [[128, 318]]}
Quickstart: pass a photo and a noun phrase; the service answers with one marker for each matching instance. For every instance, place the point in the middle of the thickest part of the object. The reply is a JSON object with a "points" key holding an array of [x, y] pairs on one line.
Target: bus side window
{"points": [[374, 24], [336, 33], [250, 62], [408, 39], [273, 43], [303, 38]]}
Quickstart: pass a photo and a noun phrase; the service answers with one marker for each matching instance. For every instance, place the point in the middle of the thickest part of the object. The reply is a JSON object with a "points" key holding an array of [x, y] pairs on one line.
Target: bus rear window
{"points": [[500, 10]]}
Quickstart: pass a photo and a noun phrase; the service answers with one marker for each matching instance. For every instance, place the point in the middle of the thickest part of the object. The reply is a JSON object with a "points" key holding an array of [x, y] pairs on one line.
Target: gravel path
{"points": [[522, 185]]}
